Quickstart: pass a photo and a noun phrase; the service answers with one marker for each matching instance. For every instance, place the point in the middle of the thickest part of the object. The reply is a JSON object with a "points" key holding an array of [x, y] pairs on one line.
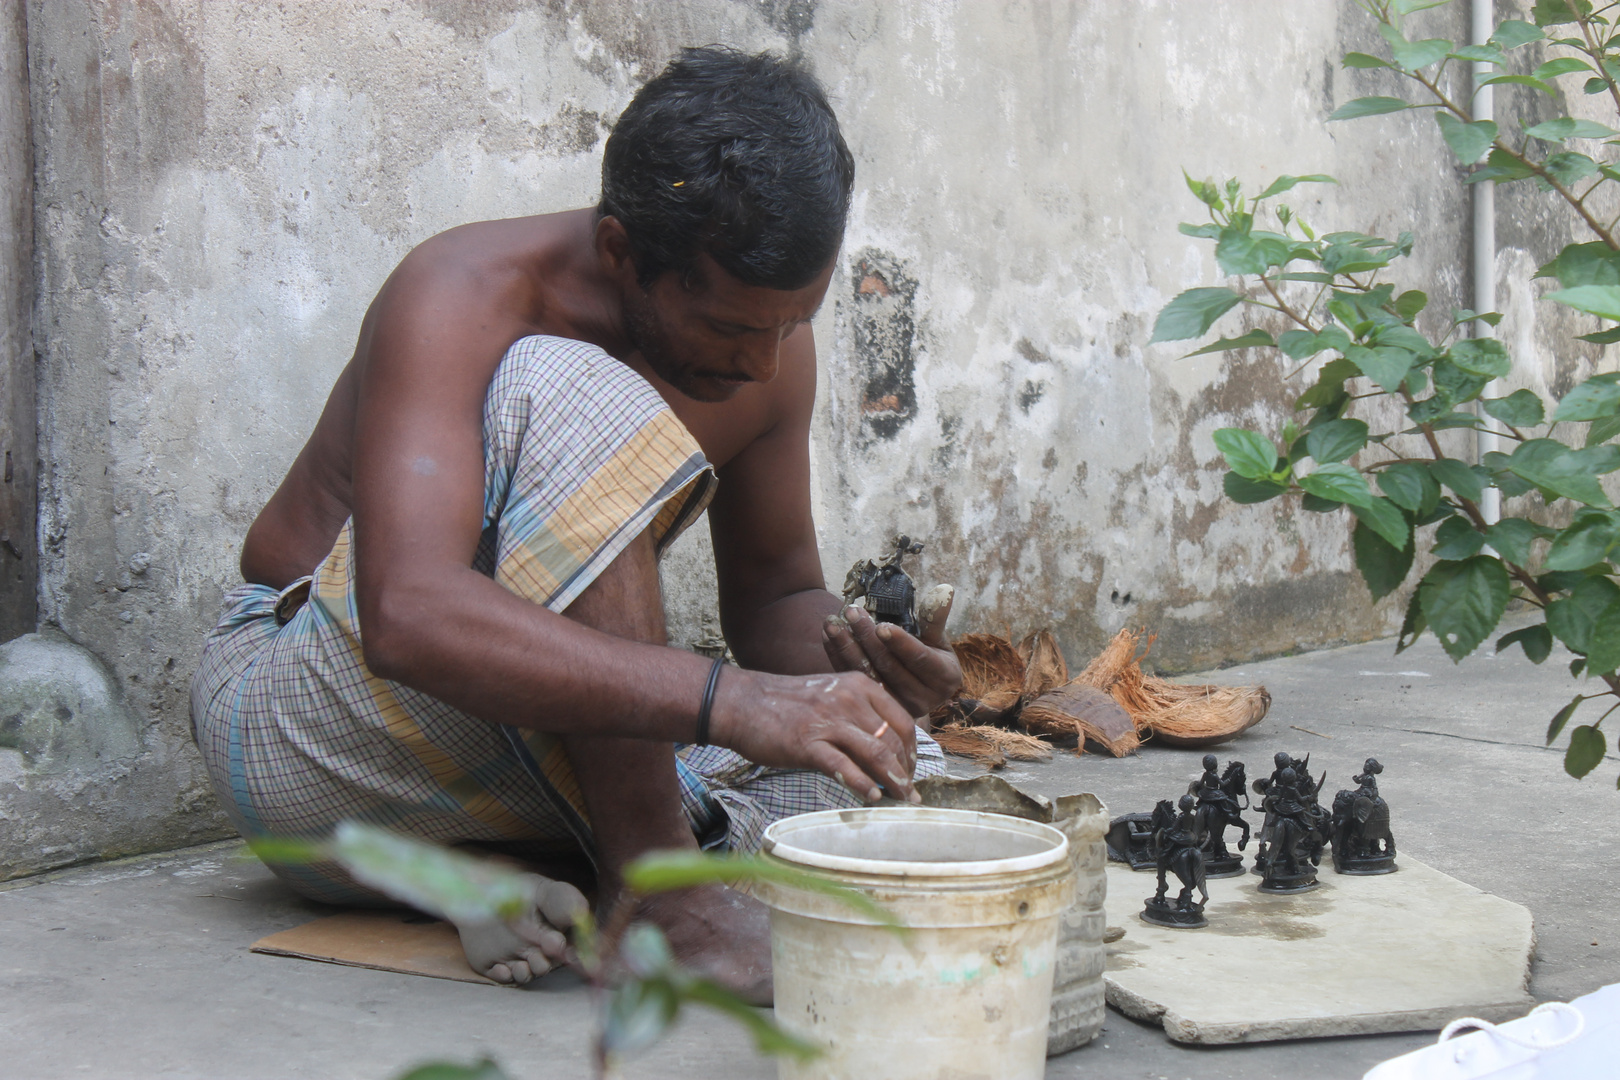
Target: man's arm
{"points": [[433, 623], [774, 604], [773, 596]]}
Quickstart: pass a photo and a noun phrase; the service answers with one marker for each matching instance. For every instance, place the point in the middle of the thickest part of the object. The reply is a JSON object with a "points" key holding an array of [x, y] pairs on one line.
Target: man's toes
{"points": [[520, 971], [539, 963], [499, 972], [560, 904]]}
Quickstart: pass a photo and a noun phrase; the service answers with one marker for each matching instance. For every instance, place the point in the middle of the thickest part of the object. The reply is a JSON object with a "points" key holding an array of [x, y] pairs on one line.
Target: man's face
{"points": [[710, 336]]}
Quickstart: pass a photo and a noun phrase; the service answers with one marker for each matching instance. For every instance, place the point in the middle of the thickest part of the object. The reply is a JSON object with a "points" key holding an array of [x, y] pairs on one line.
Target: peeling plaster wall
{"points": [[222, 186], [19, 566]]}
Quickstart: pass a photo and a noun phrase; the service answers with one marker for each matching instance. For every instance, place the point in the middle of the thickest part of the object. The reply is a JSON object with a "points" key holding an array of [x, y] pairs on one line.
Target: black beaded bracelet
{"points": [[708, 703]]}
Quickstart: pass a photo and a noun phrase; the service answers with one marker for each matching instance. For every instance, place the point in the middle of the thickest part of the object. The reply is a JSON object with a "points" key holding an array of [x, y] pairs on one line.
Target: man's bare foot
{"points": [[528, 947], [717, 932]]}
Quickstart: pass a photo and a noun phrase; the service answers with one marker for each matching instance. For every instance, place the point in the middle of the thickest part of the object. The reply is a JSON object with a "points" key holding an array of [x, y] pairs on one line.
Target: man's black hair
{"points": [[735, 156]]}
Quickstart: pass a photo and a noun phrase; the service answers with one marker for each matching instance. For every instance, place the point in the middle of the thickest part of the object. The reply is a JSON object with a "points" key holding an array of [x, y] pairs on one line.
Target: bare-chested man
{"points": [[534, 410]]}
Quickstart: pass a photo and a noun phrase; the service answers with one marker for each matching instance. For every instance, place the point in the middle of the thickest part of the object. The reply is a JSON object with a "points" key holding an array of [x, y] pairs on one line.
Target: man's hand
{"points": [[920, 672], [845, 726]]}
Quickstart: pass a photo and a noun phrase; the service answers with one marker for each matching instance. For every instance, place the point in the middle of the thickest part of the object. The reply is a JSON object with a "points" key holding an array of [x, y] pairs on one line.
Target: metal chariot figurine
{"points": [[1362, 843], [891, 595]]}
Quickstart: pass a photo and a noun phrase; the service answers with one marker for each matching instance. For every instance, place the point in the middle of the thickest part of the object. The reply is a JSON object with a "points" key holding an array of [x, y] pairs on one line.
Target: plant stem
{"points": [[1568, 196]]}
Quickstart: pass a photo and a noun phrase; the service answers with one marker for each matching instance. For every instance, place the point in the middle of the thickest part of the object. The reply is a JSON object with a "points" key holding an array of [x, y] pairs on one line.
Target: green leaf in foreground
{"points": [[1368, 106], [1571, 618], [1284, 183], [1383, 566], [1562, 717], [1253, 339], [1385, 519], [1603, 650], [662, 871], [1600, 300], [1512, 537], [1522, 408], [1515, 32], [1567, 127], [1413, 625], [1409, 486], [768, 1037], [1385, 365], [1241, 489], [1598, 398], [1336, 440], [1456, 539], [1586, 542], [445, 1070], [1463, 602], [1338, 483], [1192, 313], [1586, 749], [288, 850], [1459, 477], [1468, 141], [1536, 641], [430, 878], [1247, 453]]}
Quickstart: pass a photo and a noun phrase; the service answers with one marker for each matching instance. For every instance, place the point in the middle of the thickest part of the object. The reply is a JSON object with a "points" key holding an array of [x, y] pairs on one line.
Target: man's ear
{"points": [[613, 248]]}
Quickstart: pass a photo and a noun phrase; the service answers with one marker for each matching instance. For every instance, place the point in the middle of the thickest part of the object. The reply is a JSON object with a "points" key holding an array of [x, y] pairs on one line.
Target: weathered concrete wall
{"points": [[222, 185], [19, 562]]}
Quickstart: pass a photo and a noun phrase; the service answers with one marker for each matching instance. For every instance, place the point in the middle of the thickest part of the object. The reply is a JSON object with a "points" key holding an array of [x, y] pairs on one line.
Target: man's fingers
{"points": [[901, 738], [932, 666], [932, 611], [838, 765], [882, 659], [843, 651]]}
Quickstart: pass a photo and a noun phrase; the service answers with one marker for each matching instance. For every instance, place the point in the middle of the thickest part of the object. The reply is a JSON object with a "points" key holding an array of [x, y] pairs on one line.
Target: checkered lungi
{"points": [[581, 456]]}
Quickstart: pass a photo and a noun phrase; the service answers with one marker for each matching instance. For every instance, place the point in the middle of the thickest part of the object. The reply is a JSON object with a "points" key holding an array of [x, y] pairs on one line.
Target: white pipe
{"points": [[1483, 24]]}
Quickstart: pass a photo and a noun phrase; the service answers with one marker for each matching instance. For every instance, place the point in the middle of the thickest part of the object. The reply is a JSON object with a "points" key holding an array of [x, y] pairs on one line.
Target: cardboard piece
{"points": [[1407, 951], [401, 941]]}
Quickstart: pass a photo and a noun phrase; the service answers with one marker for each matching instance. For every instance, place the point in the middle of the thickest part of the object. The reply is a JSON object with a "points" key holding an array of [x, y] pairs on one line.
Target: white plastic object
{"points": [[966, 992], [1577, 1041]]}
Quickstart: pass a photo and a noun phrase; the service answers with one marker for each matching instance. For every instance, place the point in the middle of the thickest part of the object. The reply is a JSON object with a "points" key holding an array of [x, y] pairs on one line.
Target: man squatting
{"points": [[535, 409]]}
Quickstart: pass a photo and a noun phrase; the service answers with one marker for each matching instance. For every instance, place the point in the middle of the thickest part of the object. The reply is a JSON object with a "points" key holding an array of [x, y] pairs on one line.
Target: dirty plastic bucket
{"points": [[966, 993]]}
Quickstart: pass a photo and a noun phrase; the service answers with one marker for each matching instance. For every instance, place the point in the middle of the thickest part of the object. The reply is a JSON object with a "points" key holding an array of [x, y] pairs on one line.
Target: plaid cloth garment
{"points": [[581, 456]]}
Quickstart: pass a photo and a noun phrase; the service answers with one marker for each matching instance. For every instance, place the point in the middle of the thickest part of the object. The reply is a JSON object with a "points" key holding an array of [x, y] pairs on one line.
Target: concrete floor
{"points": [[141, 968]]}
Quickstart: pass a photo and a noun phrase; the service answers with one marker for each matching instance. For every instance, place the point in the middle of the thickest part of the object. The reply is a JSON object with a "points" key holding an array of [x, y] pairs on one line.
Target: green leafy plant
{"points": [[1385, 378], [639, 987]]}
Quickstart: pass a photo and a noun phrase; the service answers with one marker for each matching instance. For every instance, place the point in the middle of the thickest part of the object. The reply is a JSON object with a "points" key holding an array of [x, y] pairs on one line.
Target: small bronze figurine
{"points": [[891, 595], [1362, 843], [1130, 840], [1299, 831], [1178, 844], [1218, 807]]}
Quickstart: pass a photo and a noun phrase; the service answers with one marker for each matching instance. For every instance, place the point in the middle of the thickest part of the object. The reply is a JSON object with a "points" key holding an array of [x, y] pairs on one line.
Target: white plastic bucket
{"points": [[966, 993]]}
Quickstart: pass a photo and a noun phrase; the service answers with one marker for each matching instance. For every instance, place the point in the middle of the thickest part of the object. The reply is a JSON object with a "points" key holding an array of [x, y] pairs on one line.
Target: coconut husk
{"points": [[1177, 714], [999, 708], [991, 746], [1194, 716], [1044, 666], [989, 663], [1083, 710]]}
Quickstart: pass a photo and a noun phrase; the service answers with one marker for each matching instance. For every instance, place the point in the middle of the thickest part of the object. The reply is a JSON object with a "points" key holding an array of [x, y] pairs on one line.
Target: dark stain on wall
{"points": [[882, 318], [790, 18], [1032, 392]]}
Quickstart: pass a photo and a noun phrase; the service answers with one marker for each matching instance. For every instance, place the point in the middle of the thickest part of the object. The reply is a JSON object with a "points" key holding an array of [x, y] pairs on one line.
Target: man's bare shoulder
{"points": [[516, 272]]}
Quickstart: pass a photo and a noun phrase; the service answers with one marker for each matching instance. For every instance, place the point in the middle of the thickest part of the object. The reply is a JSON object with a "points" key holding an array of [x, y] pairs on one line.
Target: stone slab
{"points": [[1407, 951]]}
